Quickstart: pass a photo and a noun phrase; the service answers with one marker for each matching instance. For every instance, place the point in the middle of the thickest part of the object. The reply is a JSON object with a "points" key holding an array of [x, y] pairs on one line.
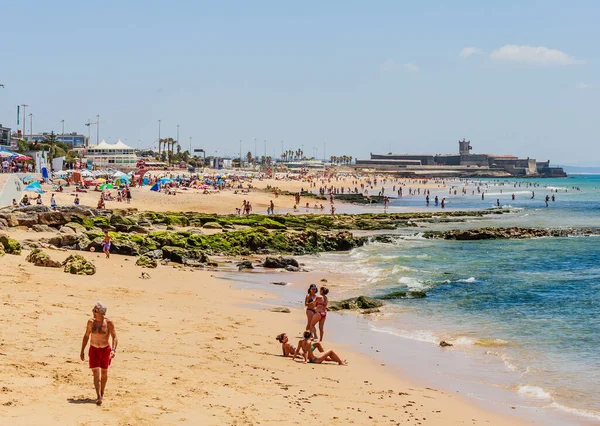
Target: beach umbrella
{"points": [[101, 179], [165, 180], [22, 158], [107, 186], [61, 173], [118, 174], [27, 179], [34, 187], [86, 173]]}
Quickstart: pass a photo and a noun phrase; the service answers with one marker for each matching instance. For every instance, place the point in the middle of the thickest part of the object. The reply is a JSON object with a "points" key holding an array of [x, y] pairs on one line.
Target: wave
{"points": [[467, 280], [534, 392], [413, 283], [582, 413], [426, 336]]}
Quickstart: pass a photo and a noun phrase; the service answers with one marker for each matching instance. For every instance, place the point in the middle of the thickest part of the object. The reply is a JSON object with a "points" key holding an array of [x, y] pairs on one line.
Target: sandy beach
{"points": [[192, 351]]}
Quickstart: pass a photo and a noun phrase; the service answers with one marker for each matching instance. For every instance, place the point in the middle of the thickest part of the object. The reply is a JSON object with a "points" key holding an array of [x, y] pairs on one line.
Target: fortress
{"points": [[463, 164]]}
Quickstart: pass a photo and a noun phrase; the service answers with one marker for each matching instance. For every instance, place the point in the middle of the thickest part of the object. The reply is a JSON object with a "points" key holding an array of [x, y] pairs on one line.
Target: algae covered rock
{"points": [[245, 264], [403, 295], [78, 265], [41, 258], [10, 245], [212, 225], [361, 302], [186, 256], [146, 262]]}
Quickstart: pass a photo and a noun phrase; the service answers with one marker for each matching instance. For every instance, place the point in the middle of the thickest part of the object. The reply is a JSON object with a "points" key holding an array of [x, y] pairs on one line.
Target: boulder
{"points": [[41, 258], [212, 225], [154, 254], [10, 218], [445, 344], [246, 264], [2, 252], [10, 245], [146, 262], [73, 227], [52, 219], [117, 219], [189, 257], [78, 265], [280, 262], [361, 302], [27, 220], [403, 295], [291, 268]]}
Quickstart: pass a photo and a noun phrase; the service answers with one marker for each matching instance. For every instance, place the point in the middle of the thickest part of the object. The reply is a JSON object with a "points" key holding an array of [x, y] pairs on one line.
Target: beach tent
{"points": [[34, 187], [118, 174], [106, 186], [156, 187], [86, 173], [164, 180]]}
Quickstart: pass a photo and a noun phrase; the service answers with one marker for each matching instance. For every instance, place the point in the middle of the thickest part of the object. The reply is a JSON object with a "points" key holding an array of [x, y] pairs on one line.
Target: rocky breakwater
{"points": [[507, 233]]}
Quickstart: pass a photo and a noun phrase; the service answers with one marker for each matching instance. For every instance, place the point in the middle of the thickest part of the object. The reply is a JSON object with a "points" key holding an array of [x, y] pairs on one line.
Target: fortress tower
{"points": [[464, 147]]}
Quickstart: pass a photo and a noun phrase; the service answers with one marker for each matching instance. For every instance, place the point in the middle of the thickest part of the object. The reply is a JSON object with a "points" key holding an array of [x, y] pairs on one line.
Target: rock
{"points": [[41, 258], [117, 219], [42, 228], [403, 295], [154, 254], [212, 225], [445, 344], [27, 244], [281, 310], [190, 257], [291, 268], [52, 219], [73, 227], [279, 262], [279, 283], [323, 280], [27, 220], [11, 219], [138, 229], [361, 302], [370, 311], [246, 264], [146, 262], [10, 246], [78, 265]]}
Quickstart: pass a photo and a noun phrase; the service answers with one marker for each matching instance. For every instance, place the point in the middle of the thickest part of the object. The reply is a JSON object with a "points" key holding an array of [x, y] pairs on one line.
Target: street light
{"points": [[159, 121], [97, 129], [63, 130], [31, 125]]}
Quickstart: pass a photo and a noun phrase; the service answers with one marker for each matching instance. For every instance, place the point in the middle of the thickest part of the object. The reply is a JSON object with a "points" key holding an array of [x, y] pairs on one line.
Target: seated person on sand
{"points": [[308, 352], [101, 204], [289, 350]]}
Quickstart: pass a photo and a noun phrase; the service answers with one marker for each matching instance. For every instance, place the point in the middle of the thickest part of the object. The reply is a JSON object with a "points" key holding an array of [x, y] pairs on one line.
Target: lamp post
{"points": [[190, 146], [159, 121], [97, 129], [240, 154], [63, 129], [24, 107], [30, 125], [177, 136]]}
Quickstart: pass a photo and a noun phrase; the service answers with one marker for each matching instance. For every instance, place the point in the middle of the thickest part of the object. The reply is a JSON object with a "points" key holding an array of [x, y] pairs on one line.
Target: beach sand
{"points": [[224, 202], [191, 351]]}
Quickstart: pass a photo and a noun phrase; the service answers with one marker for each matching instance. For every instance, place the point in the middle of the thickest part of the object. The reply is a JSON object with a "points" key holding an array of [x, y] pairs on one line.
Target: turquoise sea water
{"points": [[530, 306]]}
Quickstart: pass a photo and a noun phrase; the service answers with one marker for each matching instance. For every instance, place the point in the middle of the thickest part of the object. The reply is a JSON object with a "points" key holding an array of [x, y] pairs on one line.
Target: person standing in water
{"points": [[100, 353]]}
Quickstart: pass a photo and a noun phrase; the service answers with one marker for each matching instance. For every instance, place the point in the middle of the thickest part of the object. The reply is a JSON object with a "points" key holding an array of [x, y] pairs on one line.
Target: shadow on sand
{"points": [[81, 400]]}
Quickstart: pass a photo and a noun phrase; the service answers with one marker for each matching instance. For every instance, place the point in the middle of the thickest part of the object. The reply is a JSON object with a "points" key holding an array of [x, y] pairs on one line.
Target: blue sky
{"points": [[513, 77]]}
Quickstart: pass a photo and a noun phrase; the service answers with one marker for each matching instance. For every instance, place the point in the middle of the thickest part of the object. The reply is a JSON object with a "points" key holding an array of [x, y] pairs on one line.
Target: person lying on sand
{"points": [[308, 352], [289, 350]]}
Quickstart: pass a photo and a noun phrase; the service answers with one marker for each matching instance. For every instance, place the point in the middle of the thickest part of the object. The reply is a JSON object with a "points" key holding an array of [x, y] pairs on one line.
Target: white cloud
{"points": [[389, 65], [469, 51], [533, 55], [411, 67], [584, 86]]}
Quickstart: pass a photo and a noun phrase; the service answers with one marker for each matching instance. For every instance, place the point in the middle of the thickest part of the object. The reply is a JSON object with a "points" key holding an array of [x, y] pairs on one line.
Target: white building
{"points": [[115, 156]]}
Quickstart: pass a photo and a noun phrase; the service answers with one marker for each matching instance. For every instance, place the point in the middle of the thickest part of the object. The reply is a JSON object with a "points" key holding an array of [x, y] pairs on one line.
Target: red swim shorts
{"points": [[99, 357]]}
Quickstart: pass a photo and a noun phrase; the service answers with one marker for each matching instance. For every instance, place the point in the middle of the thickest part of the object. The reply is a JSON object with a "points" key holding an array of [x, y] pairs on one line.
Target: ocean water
{"points": [[531, 308]]}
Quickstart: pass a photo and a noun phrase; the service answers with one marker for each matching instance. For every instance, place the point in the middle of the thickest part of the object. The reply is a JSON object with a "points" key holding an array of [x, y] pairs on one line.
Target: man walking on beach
{"points": [[100, 353]]}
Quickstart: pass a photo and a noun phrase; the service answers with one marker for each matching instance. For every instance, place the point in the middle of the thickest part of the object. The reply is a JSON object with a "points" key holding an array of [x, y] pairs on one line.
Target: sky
{"points": [[329, 77]]}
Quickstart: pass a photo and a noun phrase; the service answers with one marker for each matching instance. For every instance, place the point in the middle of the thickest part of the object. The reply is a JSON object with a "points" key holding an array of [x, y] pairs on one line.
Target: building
{"points": [[111, 156], [73, 139], [462, 164], [4, 137]]}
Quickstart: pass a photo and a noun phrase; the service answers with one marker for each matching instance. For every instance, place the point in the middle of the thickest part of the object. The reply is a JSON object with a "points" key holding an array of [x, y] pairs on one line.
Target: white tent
{"points": [[118, 174], [86, 173]]}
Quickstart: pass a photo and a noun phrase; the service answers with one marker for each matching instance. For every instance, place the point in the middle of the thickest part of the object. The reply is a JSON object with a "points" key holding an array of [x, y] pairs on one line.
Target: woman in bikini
{"points": [[309, 356], [309, 302], [289, 350], [321, 314]]}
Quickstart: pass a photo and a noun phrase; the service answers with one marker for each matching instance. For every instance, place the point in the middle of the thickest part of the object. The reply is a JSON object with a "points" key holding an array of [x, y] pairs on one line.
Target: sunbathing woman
{"points": [[309, 355], [321, 302], [309, 302]]}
